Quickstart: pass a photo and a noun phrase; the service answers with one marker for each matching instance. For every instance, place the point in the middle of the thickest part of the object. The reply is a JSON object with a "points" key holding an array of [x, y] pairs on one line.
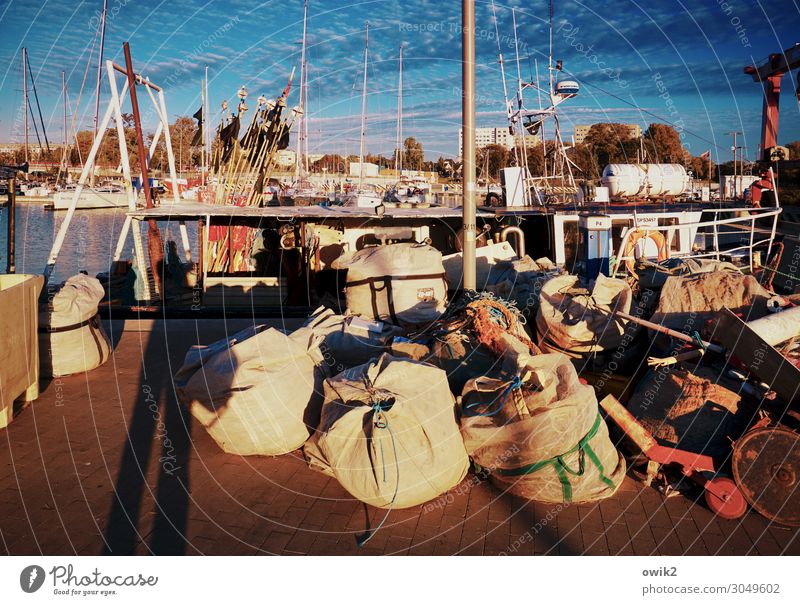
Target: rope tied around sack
{"points": [[512, 385], [562, 469], [381, 401]]}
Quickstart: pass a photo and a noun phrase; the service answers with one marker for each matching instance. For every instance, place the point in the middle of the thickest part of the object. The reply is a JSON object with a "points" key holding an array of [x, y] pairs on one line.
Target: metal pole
{"points": [[138, 126], [25, 97], [468, 130], [154, 244], [12, 219]]}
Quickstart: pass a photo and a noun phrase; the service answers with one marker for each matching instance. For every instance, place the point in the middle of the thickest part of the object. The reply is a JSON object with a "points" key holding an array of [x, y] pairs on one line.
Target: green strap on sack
{"points": [[562, 470]]}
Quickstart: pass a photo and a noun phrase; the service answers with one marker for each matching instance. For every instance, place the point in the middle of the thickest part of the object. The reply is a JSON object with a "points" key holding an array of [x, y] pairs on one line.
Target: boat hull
{"points": [[90, 200]]}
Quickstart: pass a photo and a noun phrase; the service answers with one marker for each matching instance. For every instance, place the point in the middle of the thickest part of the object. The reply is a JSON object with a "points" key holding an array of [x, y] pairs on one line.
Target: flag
{"points": [[706, 155], [197, 139]]}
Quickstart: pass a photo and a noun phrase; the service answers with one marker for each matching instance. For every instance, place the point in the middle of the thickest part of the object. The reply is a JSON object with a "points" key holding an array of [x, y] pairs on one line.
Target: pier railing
{"points": [[741, 224]]}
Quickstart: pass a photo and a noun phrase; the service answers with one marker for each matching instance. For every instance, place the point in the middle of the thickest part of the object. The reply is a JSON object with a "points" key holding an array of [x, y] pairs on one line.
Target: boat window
{"points": [[673, 235]]}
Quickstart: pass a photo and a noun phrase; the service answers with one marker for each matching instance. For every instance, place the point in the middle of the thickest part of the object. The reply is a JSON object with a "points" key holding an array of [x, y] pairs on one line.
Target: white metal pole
{"points": [[398, 161], [25, 98], [363, 114], [87, 167]]}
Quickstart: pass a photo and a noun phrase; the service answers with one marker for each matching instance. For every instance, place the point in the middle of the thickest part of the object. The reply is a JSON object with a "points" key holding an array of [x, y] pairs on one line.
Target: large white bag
{"points": [[388, 433], [257, 393], [575, 321], [71, 337], [539, 433], [347, 341], [402, 283]]}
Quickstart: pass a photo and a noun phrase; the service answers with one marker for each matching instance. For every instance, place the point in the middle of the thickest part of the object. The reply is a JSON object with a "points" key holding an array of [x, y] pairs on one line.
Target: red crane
{"points": [[770, 73]]}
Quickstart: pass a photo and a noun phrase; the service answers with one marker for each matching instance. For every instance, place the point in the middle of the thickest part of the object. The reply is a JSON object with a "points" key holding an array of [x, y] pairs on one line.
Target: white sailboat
{"points": [[102, 196], [363, 196], [412, 190]]}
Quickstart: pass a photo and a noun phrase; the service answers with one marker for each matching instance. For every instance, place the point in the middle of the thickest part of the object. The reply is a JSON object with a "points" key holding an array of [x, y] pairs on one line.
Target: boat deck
{"points": [[107, 462], [196, 210]]}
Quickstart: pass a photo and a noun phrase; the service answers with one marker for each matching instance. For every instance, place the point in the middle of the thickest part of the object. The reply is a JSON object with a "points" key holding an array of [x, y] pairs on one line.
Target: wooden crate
{"points": [[19, 343], [244, 291]]}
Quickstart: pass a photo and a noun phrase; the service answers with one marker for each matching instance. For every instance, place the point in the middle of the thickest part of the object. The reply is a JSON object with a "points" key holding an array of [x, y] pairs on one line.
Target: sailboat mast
{"points": [[363, 113], [398, 161], [66, 136], [503, 76], [25, 96], [550, 54], [100, 67], [301, 131], [204, 126], [206, 130]]}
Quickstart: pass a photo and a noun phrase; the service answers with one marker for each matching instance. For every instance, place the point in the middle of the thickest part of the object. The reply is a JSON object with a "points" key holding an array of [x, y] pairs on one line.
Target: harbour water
{"points": [[89, 245]]}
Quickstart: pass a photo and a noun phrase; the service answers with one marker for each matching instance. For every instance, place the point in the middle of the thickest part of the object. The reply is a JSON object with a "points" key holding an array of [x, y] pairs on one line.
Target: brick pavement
{"points": [[84, 471]]}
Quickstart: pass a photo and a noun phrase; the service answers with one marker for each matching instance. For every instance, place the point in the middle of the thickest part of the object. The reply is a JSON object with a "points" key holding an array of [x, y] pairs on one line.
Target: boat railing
{"points": [[751, 215]]}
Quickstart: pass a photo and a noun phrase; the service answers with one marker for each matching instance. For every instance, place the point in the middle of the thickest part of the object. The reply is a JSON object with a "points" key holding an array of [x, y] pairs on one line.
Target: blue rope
{"points": [[514, 384], [381, 422], [696, 337]]}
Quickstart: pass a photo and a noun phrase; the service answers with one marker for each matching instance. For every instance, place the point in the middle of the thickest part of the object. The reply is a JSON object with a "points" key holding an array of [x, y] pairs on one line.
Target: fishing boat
{"points": [[255, 250]]}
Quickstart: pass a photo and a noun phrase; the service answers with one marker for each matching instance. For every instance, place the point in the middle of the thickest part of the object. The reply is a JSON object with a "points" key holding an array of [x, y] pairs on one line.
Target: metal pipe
{"points": [[468, 138], [138, 126], [520, 238], [155, 245], [139, 78], [12, 220]]}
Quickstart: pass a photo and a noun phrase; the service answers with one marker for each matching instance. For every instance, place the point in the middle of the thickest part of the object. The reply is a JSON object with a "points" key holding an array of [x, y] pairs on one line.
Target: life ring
{"points": [[635, 236]]}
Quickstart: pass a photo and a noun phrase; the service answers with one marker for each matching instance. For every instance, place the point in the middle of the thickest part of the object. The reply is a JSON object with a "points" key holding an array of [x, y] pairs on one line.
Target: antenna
{"points": [[363, 112], [550, 54], [398, 161]]}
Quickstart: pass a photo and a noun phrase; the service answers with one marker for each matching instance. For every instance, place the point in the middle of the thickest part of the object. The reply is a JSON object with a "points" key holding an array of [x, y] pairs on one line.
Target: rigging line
{"points": [[38, 107], [75, 113], [650, 113], [35, 129]]}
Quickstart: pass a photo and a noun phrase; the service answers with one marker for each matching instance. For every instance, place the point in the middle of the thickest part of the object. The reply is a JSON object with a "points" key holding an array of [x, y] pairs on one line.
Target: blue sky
{"points": [[679, 60]]}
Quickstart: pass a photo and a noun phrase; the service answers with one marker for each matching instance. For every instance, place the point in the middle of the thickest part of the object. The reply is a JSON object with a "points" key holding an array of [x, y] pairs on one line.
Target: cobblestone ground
{"points": [[87, 469]]}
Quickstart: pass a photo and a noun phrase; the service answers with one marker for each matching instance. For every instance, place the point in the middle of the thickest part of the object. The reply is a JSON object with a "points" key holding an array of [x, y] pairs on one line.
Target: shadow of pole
{"points": [[158, 423]]}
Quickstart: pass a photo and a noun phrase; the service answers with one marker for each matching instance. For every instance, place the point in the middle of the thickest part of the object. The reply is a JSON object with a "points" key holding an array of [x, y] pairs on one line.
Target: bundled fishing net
{"points": [[475, 332], [699, 411], [687, 303]]}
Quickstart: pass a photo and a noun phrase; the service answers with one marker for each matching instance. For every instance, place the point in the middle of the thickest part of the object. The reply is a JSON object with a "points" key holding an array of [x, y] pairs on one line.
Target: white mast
{"points": [[25, 97], [363, 113], [505, 87], [100, 66], [398, 160], [66, 139], [203, 126], [302, 128], [206, 129]]}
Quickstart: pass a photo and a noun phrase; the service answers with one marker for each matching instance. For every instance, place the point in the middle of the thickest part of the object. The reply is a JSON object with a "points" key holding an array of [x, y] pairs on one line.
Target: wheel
{"points": [[493, 200], [731, 505]]}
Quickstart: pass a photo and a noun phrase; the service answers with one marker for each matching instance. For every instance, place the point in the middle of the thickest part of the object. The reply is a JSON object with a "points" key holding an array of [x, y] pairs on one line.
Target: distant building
{"points": [[285, 157], [633, 131], [370, 169], [531, 140], [487, 136]]}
